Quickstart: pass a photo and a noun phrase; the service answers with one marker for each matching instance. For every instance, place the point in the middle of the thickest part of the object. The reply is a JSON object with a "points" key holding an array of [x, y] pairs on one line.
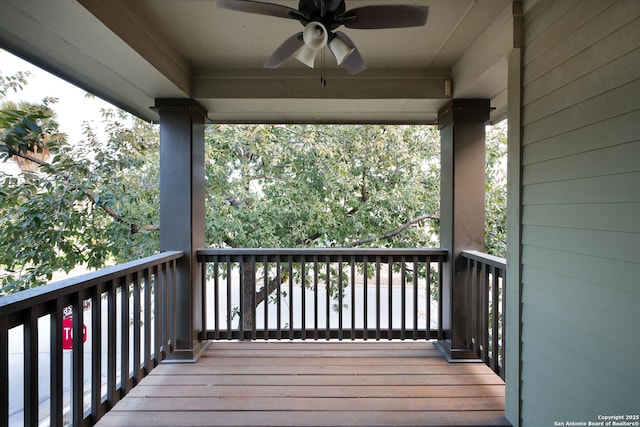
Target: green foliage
{"points": [[82, 206], [496, 190], [13, 83], [302, 185]]}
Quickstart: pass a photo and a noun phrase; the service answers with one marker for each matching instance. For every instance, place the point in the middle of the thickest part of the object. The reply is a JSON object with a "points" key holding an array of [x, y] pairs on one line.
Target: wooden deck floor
{"points": [[315, 384]]}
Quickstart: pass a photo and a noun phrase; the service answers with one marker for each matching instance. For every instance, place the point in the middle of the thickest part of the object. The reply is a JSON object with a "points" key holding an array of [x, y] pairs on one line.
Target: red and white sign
{"points": [[67, 333]]}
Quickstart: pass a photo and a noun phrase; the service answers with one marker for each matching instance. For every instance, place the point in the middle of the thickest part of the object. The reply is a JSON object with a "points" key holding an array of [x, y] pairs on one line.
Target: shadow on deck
{"points": [[315, 384]]}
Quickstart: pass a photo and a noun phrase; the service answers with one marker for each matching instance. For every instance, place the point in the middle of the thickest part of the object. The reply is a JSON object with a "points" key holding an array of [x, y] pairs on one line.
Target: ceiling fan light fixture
{"points": [[307, 56], [315, 37], [340, 49]]}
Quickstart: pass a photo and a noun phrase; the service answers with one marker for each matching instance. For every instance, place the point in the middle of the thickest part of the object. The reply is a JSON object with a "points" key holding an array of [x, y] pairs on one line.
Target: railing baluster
{"points": [[203, 298], [303, 294], [377, 297], [166, 315], [241, 295], [147, 364], [291, 301], [440, 308], [96, 352], [502, 323], [216, 297], [415, 298], [55, 363], [494, 319], [278, 298], [125, 339], [484, 276], [340, 288], [77, 377], [427, 308], [365, 298], [4, 370], [30, 342], [254, 320], [137, 372], [328, 300], [403, 297], [476, 309], [352, 263], [111, 344], [390, 297], [315, 297], [157, 315], [229, 318], [266, 296]]}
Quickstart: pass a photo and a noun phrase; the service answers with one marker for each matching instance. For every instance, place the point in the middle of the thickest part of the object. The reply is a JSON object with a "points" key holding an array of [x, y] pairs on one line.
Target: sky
{"points": [[72, 108]]}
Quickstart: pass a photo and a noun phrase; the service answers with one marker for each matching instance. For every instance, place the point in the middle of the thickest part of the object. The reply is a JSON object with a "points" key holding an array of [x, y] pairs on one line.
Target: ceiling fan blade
{"points": [[260, 8], [378, 17], [353, 63], [285, 51]]}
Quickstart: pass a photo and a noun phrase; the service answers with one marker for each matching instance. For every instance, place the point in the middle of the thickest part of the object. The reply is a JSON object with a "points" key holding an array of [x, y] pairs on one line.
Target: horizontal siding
{"points": [[614, 246], [616, 130], [585, 296], [539, 20], [614, 160], [586, 24], [621, 188], [614, 274], [603, 106], [614, 217], [567, 89], [580, 211]]}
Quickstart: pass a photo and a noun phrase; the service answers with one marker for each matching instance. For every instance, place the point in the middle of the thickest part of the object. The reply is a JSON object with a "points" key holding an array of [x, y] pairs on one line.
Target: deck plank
{"points": [[315, 384], [304, 419]]}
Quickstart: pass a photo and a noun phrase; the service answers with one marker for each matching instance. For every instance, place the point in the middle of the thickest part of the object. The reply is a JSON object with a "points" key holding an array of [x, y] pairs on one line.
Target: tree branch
{"points": [[392, 233], [91, 195]]}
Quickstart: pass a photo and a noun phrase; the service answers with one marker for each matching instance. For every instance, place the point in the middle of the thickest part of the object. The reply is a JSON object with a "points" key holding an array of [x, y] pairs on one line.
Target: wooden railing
{"points": [[322, 293], [129, 310], [487, 282]]}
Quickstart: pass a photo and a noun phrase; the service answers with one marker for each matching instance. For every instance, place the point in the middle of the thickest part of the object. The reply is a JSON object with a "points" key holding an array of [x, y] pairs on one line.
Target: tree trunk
{"points": [[248, 295]]}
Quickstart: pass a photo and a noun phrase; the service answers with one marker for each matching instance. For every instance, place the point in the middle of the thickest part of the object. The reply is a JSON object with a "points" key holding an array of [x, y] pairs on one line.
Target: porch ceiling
{"points": [[133, 51]]}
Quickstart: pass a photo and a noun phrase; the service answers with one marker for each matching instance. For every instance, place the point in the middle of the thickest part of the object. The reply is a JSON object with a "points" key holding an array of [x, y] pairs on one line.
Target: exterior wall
{"points": [[580, 235]]}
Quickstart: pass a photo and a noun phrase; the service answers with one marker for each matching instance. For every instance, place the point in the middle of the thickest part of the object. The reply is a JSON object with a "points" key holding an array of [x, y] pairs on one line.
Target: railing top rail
{"points": [[30, 297], [486, 258], [307, 253]]}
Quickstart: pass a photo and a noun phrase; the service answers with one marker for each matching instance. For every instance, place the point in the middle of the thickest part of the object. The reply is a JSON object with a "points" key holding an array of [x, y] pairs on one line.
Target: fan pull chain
{"points": [[323, 81]]}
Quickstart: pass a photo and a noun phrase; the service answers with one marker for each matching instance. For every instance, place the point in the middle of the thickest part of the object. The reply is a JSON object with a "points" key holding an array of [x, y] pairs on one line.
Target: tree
{"points": [[496, 190], [292, 186], [82, 206]]}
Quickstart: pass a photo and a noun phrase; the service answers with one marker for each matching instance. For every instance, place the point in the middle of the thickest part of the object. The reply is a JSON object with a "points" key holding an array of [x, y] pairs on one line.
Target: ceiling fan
{"points": [[320, 18]]}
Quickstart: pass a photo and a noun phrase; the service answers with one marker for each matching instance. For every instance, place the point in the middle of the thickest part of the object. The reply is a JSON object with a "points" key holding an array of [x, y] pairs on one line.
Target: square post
{"points": [[462, 197], [182, 213]]}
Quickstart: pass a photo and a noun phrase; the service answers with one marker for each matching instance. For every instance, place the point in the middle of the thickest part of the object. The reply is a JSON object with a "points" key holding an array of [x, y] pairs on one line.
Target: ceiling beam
{"points": [[306, 84], [124, 19]]}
